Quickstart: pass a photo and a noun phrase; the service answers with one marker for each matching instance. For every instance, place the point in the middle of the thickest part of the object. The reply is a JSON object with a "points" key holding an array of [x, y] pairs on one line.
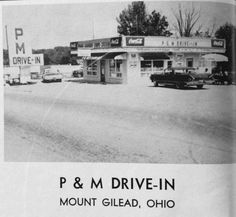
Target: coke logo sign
{"points": [[217, 43], [134, 41]]}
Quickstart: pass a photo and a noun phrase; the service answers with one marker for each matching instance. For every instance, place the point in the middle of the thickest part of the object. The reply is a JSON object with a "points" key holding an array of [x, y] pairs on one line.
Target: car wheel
{"points": [[179, 86], [199, 86], [156, 84]]}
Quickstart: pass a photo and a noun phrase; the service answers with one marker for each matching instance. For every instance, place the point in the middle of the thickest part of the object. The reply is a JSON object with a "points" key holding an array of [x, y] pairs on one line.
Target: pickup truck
{"points": [[180, 77]]}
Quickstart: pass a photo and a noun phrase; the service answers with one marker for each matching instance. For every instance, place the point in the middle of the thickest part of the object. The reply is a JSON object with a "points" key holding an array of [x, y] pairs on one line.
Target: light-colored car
{"points": [[52, 77]]}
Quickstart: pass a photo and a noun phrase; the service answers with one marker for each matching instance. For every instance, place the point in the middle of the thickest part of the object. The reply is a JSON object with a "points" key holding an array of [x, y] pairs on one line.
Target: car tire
{"points": [[179, 86], [155, 84], [199, 86]]}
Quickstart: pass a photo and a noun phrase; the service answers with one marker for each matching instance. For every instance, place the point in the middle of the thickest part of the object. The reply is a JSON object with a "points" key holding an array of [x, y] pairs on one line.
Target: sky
{"points": [[49, 25]]}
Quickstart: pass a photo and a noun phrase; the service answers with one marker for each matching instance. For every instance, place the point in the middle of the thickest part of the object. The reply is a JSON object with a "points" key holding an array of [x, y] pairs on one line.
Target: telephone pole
{"points": [[7, 45]]}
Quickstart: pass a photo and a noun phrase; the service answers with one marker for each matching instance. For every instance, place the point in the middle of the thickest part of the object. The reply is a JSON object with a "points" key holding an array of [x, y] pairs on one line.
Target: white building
{"points": [[131, 59]]}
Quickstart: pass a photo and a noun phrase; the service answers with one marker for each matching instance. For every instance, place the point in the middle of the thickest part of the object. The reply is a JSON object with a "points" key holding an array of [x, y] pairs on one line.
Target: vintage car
{"points": [[221, 78], [180, 77], [77, 73], [52, 77]]}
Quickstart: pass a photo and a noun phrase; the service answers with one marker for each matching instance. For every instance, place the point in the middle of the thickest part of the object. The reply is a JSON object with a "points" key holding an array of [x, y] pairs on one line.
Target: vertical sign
{"points": [[20, 52]]}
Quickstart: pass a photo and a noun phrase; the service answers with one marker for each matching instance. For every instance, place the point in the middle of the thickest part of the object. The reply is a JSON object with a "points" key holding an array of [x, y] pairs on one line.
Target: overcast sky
{"points": [[50, 25]]}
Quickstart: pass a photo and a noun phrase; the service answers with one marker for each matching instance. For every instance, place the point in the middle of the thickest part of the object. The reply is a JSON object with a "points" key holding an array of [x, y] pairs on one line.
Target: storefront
{"points": [[131, 59]]}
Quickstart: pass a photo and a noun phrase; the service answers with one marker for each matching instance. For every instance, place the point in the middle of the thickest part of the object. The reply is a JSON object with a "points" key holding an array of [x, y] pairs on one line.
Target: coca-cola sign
{"points": [[73, 45], [217, 43], [115, 42], [135, 41]]}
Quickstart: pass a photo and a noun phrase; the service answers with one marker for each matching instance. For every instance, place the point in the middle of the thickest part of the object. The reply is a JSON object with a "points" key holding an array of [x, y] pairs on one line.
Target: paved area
{"points": [[82, 122]]}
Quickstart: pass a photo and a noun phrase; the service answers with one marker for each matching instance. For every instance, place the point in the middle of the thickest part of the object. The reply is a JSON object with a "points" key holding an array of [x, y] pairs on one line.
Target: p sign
{"points": [[18, 42], [20, 48]]}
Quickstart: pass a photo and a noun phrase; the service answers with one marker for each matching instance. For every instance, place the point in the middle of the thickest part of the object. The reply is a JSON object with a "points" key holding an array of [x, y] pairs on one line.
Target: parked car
{"points": [[221, 78], [180, 77], [77, 73], [52, 77]]}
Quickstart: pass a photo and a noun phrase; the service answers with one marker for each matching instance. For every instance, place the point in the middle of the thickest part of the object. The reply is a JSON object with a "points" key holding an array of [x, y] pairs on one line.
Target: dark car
{"points": [[78, 73], [221, 78], [180, 77]]}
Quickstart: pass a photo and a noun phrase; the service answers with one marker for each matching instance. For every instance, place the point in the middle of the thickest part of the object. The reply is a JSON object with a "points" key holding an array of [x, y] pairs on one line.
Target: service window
{"points": [[92, 67], [115, 68], [146, 66], [189, 62], [158, 65]]}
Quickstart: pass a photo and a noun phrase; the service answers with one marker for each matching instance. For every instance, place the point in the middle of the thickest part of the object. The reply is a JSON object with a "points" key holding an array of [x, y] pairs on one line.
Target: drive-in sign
{"points": [[34, 59], [20, 52]]}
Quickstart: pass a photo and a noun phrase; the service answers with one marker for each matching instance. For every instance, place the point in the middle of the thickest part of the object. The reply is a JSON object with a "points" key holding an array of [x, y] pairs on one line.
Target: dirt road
{"points": [[116, 123]]}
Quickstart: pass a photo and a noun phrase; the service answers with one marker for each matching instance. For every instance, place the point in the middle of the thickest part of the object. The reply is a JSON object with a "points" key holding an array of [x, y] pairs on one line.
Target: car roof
{"points": [[181, 68]]}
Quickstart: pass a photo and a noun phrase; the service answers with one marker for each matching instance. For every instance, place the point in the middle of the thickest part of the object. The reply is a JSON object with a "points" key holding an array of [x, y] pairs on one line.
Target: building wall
{"points": [[108, 77], [133, 68]]}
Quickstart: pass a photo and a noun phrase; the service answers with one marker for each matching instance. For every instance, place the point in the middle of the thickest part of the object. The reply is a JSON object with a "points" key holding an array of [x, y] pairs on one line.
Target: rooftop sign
{"points": [[134, 41], [155, 43], [217, 43], [115, 42]]}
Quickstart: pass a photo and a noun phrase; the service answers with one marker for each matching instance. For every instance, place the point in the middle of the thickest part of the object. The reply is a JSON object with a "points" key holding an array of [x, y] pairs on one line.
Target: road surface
{"points": [[77, 122]]}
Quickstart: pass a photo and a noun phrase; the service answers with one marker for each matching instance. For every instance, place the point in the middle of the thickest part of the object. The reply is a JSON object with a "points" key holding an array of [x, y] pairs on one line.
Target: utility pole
{"points": [[7, 45], [93, 28]]}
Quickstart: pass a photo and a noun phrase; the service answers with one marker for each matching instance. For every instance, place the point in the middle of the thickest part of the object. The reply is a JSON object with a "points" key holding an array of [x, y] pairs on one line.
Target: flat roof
{"points": [[151, 44]]}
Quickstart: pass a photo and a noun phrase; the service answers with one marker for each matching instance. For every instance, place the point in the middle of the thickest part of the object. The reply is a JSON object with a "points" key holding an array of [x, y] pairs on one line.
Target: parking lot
{"points": [[73, 121]]}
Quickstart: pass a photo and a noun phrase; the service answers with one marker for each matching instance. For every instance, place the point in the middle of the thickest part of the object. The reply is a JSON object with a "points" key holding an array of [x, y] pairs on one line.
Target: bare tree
{"points": [[186, 21], [209, 32]]}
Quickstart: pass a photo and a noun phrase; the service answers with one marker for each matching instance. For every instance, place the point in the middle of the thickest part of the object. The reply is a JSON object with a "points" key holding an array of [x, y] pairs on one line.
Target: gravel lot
{"points": [[72, 121]]}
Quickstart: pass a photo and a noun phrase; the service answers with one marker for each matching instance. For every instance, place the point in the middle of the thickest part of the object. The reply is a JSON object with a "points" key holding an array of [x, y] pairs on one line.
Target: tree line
{"points": [[135, 20]]}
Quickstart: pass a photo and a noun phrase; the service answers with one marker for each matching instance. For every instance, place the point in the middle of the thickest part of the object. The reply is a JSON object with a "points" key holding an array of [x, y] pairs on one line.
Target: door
{"points": [[103, 70], [169, 64], [189, 62]]}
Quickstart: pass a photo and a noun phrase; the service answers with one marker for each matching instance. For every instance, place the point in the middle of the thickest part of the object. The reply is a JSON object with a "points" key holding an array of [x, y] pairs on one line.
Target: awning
{"points": [[153, 56], [215, 57], [110, 55]]}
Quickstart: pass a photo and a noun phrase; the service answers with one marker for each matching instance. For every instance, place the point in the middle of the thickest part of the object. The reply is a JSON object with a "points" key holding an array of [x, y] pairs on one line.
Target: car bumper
{"points": [[194, 83]]}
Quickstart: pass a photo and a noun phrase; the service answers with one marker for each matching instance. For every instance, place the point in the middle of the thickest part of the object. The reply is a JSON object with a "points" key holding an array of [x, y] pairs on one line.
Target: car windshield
{"points": [[56, 73], [179, 70]]}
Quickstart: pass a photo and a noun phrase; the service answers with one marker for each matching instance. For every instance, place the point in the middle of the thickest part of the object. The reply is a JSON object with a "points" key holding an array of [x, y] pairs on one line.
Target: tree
{"points": [[186, 21], [157, 25], [132, 21], [228, 32], [136, 21], [57, 55], [209, 32]]}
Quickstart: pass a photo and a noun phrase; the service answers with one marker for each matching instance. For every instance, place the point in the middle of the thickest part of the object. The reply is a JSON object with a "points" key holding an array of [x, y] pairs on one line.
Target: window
{"points": [[91, 67], [146, 66], [189, 62], [158, 65], [115, 68], [150, 66]]}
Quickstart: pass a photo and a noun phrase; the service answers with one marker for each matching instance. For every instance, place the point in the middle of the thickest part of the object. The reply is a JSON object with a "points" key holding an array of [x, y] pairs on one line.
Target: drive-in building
{"points": [[131, 59]]}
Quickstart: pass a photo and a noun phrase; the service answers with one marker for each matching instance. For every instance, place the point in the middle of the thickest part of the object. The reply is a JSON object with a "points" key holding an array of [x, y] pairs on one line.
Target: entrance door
{"points": [[189, 62], [102, 70], [169, 64]]}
